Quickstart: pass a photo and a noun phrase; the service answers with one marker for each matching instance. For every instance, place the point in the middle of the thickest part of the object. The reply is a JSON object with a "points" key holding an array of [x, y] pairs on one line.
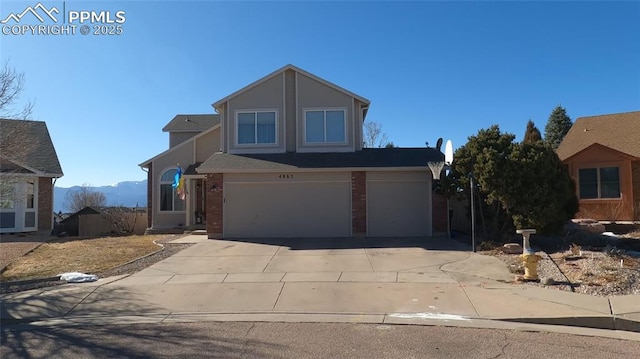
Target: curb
{"points": [[607, 323], [522, 324]]}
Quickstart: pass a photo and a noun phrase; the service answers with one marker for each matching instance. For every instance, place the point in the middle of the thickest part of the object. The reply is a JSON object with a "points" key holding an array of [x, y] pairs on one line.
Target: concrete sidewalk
{"points": [[417, 281]]}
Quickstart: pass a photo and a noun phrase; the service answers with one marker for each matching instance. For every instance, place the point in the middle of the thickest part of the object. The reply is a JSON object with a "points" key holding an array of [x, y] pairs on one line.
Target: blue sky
{"points": [[431, 69]]}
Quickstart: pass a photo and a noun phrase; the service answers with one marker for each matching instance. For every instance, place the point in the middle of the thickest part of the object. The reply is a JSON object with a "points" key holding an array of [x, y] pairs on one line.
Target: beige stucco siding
{"points": [[207, 144], [399, 204], [183, 156], [315, 95], [176, 138], [266, 96], [290, 110], [287, 205]]}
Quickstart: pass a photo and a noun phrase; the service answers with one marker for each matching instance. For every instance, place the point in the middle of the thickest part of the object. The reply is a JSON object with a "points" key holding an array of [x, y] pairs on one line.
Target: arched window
{"points": [[169, 200]]}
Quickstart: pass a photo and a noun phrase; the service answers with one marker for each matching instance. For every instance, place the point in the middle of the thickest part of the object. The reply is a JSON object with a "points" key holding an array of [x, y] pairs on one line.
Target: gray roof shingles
{"points": [[191, 123], [367, 158], [28, 143]]}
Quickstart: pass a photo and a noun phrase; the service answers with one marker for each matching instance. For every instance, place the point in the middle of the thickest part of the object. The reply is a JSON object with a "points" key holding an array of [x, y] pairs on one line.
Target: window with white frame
{"points": [[169, 198], [256, 127], [325, 126], [602, 182]]}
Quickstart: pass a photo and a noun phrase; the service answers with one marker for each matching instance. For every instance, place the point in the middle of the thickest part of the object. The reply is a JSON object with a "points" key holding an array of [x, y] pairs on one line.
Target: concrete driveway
{"points": [[309, 276], [403, 260], [406, 280]]}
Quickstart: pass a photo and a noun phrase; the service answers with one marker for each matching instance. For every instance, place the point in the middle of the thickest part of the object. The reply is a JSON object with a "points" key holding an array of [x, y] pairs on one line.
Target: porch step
{"points": [[199, 232]]}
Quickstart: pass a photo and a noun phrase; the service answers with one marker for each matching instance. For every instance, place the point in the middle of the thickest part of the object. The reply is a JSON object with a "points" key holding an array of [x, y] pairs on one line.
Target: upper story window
{"points": [[603, 182], [325, 126], [169, 198], [256, 127]]}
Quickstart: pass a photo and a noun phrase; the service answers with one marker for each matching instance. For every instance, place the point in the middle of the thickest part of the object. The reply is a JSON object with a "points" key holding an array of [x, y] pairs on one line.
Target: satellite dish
{"points": [[448, 153], [439, 144]]}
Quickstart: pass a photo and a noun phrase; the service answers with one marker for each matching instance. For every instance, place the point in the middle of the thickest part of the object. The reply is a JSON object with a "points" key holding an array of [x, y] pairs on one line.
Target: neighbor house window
{"points": [[256, 127], [31, 198], [30, 213], [169, 198], [603, 182], [325, 126]]}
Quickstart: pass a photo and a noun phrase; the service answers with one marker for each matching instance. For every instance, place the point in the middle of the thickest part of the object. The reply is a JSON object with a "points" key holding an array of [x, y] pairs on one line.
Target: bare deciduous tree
{"points": [[373, 135], [14, 143], [11, 86], [82, 197], [122, 219]]}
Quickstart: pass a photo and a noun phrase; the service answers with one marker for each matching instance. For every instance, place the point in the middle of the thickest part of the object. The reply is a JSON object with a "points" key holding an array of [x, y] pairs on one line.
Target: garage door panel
{"points": [[398, 208], [292, 209]]}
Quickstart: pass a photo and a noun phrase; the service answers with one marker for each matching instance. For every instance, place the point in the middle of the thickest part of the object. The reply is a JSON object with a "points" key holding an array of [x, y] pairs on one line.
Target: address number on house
{"points": [[285, 176]]}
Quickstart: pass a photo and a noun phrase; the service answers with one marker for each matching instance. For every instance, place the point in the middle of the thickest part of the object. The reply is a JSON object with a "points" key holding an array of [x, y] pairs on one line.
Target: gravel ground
{"points": [[129, 268], [593, 272]]}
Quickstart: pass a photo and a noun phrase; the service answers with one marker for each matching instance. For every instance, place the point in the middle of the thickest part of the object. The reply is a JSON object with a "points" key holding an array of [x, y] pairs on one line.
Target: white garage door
{"points": [[398, 204], [287, 205]]}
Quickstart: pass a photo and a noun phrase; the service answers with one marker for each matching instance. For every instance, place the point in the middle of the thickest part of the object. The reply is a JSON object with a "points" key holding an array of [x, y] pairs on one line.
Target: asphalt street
{"points": [[301, 340]]}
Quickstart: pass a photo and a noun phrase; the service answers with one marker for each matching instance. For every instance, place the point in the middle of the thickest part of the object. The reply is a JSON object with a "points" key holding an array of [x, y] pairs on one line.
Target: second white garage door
{"points": [[398, 204], [287, 205]]}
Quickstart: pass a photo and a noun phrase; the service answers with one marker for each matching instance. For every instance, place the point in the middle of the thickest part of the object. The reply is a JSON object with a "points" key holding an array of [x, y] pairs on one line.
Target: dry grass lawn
{"points": [[80, 255]]}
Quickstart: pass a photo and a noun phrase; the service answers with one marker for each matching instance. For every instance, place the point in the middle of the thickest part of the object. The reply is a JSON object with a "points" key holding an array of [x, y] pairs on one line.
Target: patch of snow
{"points": [[77, 277]]}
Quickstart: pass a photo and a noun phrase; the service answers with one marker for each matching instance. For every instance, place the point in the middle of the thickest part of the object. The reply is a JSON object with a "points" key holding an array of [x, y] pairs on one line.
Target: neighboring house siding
{"points": [[176, 138], [606, 209], [315, 95], [45, 204], [207, 145], [268, 96]]}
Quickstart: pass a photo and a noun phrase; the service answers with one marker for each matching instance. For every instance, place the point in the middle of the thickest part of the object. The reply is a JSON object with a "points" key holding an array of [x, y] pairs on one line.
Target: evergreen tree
{"points": [[518, 185], [557, 127], [532, 134]]}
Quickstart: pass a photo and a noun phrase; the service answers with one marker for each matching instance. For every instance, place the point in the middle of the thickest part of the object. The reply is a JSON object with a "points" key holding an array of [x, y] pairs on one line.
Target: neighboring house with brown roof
{"points": [[28, 168], [603, 156], [285, 158]]}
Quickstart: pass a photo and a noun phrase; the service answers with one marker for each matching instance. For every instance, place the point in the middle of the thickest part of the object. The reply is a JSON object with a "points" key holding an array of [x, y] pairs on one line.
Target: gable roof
{"points": [[187, 142], [296, 69], [37, 155], [367, 158], [191, 123], [618, 131]]}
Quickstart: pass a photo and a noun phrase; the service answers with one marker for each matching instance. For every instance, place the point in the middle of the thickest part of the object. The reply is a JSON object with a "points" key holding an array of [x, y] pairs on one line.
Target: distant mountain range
{"points": [[127, 194]]}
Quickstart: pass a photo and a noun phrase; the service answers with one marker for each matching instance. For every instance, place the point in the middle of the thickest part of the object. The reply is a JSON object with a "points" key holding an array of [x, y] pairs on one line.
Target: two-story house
{"points": [[284, 157]]}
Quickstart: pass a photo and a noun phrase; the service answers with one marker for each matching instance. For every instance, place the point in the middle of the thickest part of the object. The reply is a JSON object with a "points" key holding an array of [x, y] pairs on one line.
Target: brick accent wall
{"points": [[359, 204], [215, 198], [439, 214], [150, 196], [45, 204], [635, 178]]}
